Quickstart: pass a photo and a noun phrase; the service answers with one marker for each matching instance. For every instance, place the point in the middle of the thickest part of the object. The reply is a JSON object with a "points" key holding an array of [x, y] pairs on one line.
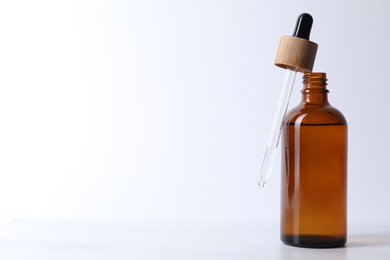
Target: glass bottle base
{"points": [[314, 241]]}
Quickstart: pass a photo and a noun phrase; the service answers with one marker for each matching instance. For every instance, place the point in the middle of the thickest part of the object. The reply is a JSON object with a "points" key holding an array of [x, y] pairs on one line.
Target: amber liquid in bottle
{"points": [[314, 170]]}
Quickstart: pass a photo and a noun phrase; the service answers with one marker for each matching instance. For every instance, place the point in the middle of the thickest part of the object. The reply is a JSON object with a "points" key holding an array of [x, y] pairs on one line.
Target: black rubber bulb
{"points": [[303, 26]]}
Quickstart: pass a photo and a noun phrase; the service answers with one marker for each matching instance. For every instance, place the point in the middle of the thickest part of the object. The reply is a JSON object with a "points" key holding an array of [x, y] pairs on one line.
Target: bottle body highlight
{"points": [[314, 170]]}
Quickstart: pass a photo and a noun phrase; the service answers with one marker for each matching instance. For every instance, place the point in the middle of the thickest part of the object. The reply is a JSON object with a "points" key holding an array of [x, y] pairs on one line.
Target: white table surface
{"points": [[95, 239]]}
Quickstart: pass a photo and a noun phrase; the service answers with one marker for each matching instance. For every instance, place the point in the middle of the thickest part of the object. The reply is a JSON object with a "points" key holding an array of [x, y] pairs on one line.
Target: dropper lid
{"points": [[297, 52]]}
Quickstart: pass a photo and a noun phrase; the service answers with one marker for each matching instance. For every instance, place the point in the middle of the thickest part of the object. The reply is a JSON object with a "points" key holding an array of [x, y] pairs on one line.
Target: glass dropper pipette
{"points": [[276, 130], [295, 54]]}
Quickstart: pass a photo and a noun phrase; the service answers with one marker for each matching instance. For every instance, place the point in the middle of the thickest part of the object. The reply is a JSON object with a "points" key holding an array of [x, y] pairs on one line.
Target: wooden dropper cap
{"points": [[296, 52]]}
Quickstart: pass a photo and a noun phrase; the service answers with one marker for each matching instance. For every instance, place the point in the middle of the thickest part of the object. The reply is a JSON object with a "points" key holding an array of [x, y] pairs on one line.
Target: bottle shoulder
{"points": [[315, 115]]}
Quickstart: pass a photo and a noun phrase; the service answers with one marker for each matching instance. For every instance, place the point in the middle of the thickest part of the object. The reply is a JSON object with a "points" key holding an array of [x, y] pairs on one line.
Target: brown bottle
{"points": [[314, 170]]}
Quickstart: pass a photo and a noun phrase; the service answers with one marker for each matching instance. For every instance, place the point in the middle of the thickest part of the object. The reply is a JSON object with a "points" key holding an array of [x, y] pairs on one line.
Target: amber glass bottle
{"points": [[314, 170]]}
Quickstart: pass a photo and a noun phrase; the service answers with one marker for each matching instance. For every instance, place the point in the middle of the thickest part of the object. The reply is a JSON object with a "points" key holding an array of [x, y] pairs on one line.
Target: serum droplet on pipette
{"points": [[263, 184]]}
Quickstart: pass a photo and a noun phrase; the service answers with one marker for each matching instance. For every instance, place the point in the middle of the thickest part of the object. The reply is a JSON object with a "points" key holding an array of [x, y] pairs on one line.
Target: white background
{"points": [[162, 109]]}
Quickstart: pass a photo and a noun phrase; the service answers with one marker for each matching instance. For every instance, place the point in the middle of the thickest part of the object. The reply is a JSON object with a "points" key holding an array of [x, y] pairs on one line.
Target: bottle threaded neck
{"points": [[313, 79], [314, 88]]}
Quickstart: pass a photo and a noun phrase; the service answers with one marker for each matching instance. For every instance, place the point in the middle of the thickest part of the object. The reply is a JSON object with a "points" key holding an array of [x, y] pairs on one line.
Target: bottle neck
{"points": [[314, 90]]}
